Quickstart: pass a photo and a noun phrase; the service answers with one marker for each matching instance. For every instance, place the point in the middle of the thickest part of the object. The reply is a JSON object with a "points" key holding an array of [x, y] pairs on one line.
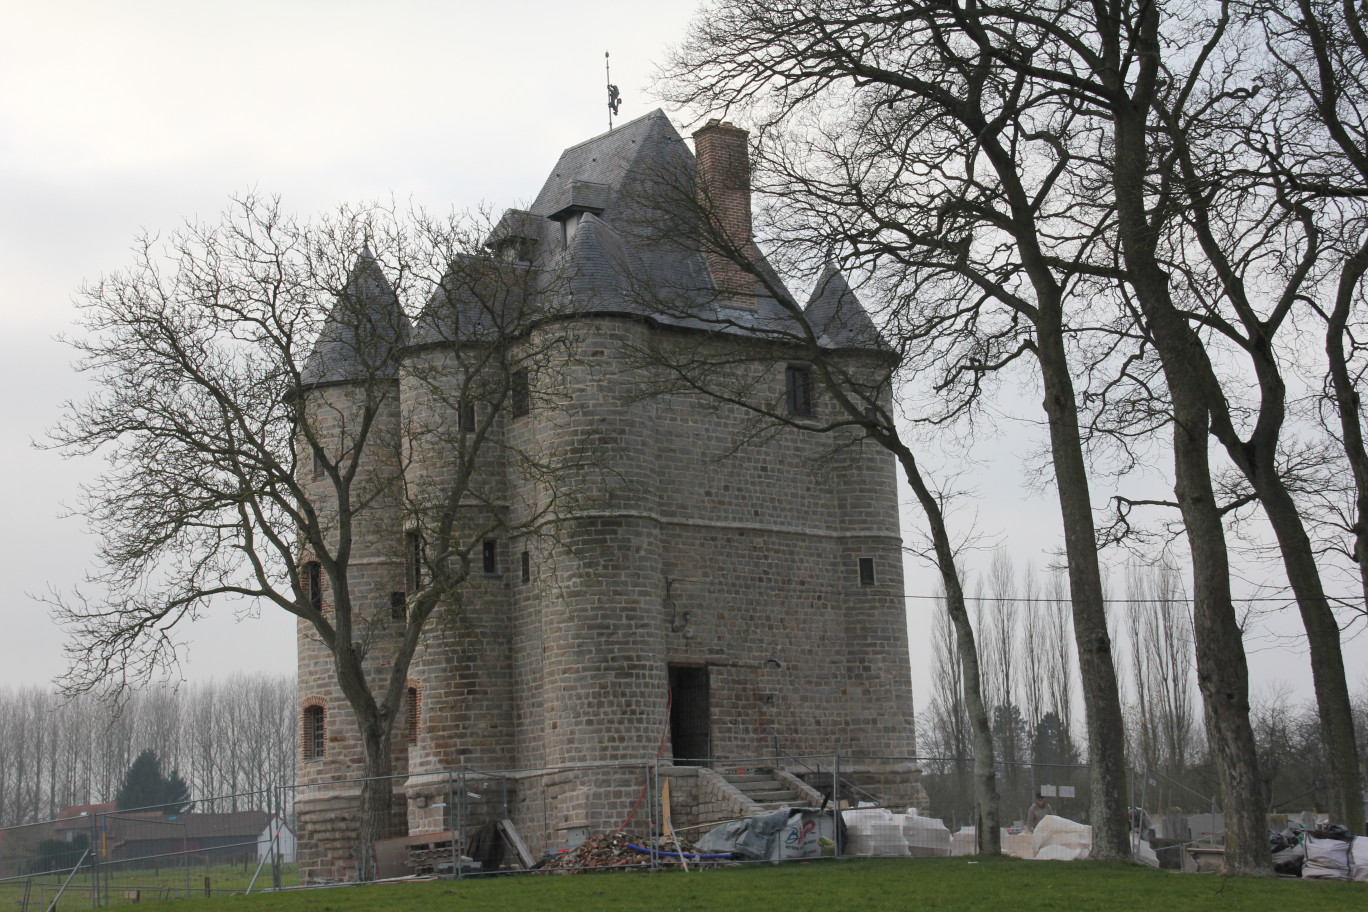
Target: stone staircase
{"points": [[770, 790]]}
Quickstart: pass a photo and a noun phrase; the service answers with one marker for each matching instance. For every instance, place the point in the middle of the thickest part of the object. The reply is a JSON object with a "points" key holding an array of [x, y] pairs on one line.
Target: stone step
{"points": [[783, 796], [757, 782], [748, 777]]}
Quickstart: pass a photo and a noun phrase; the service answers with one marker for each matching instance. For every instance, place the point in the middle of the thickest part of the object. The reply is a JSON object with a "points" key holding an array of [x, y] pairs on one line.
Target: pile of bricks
{"points": [[424, 858], [606, 851], [610, 851]]}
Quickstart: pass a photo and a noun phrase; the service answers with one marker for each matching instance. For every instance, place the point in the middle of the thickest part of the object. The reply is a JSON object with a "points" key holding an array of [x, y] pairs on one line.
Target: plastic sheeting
{"points": [[1143, 851], [875, 831], [927, 837], [754, 838], [964, 841], [1018, 845], [1059, 839]]}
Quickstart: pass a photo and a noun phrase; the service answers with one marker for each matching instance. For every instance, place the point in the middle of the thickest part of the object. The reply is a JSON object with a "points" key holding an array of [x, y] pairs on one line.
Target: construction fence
{"points": [[97, 855], [469, 823]]}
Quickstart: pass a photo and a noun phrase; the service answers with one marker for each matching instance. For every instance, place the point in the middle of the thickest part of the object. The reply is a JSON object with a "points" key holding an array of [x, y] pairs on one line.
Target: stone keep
{"points": [[698, 553]]}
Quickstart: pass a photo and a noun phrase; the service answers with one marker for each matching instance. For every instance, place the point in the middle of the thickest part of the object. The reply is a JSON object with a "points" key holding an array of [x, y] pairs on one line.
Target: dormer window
{"points": [[516, 250], [569, 225], [514, 238], [577, 198]]}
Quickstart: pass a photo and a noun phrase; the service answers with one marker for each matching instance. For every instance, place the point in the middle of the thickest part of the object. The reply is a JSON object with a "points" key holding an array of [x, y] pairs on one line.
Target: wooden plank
{"points": [[511, 834], [665, 817]]}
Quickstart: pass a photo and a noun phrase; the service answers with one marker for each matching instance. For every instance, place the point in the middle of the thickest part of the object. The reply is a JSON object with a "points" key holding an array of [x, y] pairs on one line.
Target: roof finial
{"points": [[614, 97]]}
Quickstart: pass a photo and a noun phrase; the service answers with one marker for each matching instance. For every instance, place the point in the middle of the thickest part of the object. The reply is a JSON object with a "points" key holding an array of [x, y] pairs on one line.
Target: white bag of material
{"points": [[1018, 845], [1057, 853], [857, 815], [1326, 859], [1143, 852], [1360, 852], [965, 841], [926, 837], [874, 831], [1059, 831], [798, 839]]}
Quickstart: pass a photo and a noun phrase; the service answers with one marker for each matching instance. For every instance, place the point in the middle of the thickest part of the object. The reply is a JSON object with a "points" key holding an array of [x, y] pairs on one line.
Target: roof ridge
{"points": [[656, 113]]}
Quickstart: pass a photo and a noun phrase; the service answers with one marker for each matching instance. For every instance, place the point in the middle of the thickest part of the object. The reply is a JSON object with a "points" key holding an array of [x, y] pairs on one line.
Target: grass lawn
{"points": [[151, 884], [876, 885]]}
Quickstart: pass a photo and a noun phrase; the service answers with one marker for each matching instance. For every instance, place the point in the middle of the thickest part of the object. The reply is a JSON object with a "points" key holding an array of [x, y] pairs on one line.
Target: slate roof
{"points": [[478, 298], [242, 825], [362, 337], [634, 251], [635, 254], [837, 316]]}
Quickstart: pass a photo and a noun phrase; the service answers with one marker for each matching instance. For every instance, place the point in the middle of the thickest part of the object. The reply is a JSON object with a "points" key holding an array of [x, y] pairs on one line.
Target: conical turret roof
{"points": [[837, 316], [362, 337]]}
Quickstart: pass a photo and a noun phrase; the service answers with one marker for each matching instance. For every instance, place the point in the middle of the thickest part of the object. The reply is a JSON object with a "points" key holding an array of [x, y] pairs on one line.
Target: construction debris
{"points": [[615, 852]]}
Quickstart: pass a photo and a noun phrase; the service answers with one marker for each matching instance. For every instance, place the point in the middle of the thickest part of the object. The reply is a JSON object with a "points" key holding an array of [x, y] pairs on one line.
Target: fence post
{"points": [[185, 855], [451, 809], [94, 863], [459, 811], [651, 786], [836, 805], [277, 797]]}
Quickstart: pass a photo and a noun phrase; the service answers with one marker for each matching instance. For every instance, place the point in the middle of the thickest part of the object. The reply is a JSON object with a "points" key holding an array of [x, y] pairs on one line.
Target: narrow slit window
{"points": [[318, 466], [798, 388], [467, 418], [413, 561], [519, 393], [526, 567], [866, 571], [398, 604], [313, 585], [491, 557], [414, 708], [315, 733]]}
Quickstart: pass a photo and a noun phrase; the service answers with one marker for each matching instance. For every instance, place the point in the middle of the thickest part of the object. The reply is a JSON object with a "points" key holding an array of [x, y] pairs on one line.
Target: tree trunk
{"points": [[1222, 672], [377, 799], [1323, 634], [1351, 435], [1348, 404], [988, 816], [1097, 669]]}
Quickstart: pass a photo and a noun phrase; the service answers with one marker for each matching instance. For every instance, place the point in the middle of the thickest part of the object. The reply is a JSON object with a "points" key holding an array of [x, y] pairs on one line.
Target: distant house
{"points": [[80, 818], [285, 842], [149, 837]]}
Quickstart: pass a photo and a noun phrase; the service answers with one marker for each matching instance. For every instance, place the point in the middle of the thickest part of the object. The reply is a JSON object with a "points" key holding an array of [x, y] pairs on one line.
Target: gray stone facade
{"points": [[691, 541]]}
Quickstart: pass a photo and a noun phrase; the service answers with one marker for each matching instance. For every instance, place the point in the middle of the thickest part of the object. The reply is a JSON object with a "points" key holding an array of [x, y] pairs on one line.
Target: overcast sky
{"points": [[119, 117]]}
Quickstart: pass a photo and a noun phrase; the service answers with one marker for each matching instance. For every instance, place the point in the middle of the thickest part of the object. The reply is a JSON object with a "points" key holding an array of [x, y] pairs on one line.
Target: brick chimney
{"points": [[725, 195]]}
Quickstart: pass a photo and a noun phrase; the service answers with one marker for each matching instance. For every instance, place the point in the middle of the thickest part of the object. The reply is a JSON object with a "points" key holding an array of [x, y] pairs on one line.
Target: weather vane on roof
{"points": [[614, 96]]}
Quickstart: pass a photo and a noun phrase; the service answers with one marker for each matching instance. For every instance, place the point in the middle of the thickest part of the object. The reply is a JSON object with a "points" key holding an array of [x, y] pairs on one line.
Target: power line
{"points": [[1124, 601]]}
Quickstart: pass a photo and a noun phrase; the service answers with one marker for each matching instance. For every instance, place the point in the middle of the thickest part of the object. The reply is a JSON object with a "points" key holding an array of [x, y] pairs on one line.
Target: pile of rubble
{"points": [[614, 851]]}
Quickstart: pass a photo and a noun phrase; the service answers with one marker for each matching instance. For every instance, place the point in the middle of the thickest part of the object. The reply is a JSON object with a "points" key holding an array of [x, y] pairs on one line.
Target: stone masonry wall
{"points": [[327, 827], [760, 544]]}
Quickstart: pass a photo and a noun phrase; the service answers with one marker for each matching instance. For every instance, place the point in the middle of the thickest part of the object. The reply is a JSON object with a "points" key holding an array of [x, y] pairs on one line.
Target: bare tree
{"points": [[1002, 633], [896, 145], [247, 381], [948, 728], [1033, 659], [1059, 654]]}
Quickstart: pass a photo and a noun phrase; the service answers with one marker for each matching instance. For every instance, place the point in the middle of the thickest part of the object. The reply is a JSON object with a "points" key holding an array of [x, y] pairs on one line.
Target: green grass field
{"points": [[150, 885], [876, 885]]}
